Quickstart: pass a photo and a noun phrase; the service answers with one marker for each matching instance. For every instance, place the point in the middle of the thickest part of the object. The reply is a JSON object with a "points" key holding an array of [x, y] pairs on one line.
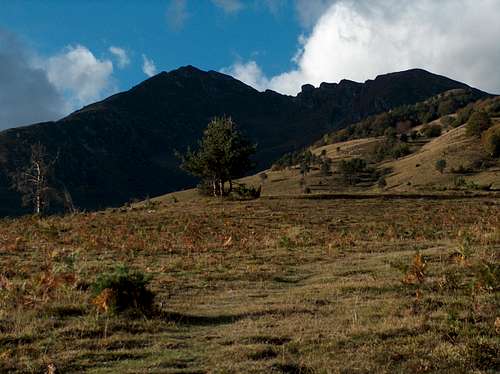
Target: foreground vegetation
{"points": [[270, 285]]}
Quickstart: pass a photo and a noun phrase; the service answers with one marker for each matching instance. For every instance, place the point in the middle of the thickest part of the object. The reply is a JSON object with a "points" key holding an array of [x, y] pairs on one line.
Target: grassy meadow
{"points": [[264, 286]]}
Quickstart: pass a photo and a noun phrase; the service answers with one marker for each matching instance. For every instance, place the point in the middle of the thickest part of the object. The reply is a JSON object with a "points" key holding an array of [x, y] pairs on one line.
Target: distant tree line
{"points": [[402, 119]]}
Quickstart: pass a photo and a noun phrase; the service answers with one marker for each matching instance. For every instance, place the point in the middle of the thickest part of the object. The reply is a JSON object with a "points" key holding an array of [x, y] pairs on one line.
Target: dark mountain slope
{"points": [[123, 147]]}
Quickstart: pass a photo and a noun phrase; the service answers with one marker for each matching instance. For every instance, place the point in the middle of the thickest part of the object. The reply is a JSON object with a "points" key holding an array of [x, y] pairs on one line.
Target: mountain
{"points": [[123, 147]]}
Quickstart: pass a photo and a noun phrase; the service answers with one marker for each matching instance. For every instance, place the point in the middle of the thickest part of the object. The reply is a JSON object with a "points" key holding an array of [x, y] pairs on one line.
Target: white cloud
{"points": [[360, 39], [35, 88], [26, 95], [148, 66], [80, 75], [121, 56], [229, 6], [249, 73], [177, 14]]}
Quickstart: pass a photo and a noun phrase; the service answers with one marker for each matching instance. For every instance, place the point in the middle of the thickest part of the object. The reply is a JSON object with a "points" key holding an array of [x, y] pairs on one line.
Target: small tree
{"points": [[432, 131], [477, 124], [34, 180], [440, 165], [382, 183], [326, 165], [305, 167], [491, 141], [223, 154], [263, 177]]}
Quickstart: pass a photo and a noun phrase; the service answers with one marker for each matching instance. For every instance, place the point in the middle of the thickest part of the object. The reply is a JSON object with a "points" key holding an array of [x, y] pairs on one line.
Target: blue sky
{"points": [[58, 55], [207, 36]]}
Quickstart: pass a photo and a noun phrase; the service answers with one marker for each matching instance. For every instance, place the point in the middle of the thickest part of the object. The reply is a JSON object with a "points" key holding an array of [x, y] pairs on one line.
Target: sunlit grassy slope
{"points": [[415, 173]]}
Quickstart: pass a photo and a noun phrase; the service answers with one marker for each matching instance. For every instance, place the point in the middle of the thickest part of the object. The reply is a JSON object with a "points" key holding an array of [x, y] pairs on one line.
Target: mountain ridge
{"points": [[122, 147]]}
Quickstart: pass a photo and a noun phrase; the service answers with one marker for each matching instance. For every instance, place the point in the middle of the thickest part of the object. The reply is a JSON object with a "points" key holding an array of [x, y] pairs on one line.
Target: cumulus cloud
{"points": [[249, 73], [26, 95], [177, 14], [81, 76], [361, 39], [229, 6], [121, 56], [148, 66], [35, 88]]}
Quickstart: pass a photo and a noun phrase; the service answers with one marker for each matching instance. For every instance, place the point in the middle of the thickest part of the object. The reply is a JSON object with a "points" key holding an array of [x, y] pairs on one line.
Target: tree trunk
{"points": [[221, 188], [38, 189], [214, 184]]}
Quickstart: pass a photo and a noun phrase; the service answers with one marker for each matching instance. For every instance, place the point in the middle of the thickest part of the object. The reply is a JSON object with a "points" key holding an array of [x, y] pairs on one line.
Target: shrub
{"points": [[391, 133], [431, 131], [459, 182], [461, 170], [382, 183], [205, 188], [400, 150], [440, 165], [326, 166], [446, 107], [121, 290], [491, 141], [478, 123], [447, 121], [463, 115], [244, 192]]}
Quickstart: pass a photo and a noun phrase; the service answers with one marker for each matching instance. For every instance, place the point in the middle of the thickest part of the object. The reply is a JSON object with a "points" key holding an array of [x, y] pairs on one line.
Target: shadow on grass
{"points": [[197, 320], [225, 319]]}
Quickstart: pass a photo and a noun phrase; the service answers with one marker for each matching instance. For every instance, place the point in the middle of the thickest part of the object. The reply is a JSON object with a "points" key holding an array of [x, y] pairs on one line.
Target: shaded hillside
{"points": [[123, 147]]}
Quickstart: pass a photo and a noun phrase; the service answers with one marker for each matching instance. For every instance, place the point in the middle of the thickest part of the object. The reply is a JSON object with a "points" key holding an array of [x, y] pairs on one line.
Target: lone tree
{"points": [[34, 180], [223, 154], [440, 165]]}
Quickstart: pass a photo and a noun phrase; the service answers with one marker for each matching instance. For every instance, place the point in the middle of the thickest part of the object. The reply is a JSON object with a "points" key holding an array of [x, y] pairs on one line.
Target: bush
{"points": [[205, 188], [431, 131], [491, 141], [400, 150], [463, 115], [447, 121], [462, 170], [325, 167], [478, 123], [382, 183], [242, 191], [441, 165], [122, 290]]}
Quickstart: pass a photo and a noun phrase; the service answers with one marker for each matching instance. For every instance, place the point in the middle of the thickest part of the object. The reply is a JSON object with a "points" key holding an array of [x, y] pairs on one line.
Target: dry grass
{"points": [[284, 286], [417, 171]]}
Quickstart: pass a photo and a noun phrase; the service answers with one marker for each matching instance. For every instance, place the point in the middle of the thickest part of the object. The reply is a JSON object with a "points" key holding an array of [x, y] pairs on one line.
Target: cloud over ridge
{"points": [[148, 66], [360, 39]]}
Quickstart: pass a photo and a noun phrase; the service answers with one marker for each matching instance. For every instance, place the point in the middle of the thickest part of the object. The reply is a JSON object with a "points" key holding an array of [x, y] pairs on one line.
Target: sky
{"points": [[59, 55]]}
